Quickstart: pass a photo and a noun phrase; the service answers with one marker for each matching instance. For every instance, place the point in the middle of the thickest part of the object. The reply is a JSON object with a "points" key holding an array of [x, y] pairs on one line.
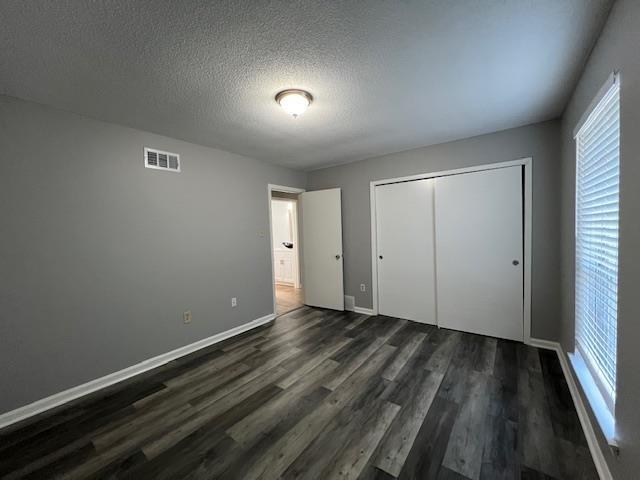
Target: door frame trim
{"points": [[279, 188], [527, 163]]}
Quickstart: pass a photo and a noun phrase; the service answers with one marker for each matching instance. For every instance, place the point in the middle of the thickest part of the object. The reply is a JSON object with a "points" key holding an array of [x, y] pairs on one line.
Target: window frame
{"points": [[595, 386]]}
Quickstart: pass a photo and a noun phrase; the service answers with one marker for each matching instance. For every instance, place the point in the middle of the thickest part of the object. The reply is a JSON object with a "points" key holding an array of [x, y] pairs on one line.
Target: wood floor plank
{"points": [[347, 367], [44, 466], [486, 356], [576, 463], [192, 390], [209, 409], [536, 433], [283, 452], [206, 450], [268, 363], [357, 321], [353, 459], [504, 387], [256, 447], [416, 397], [529, 358], [564, 418], [531, 474], [371, 472], [294, 334], [441, 347], [304, 368], [211, 367], [425, 457], [263, 419], [447, 474], [349, 363], [47, 434], [406, 351], [466, 444], [409, 331], [165, 414], [320, 394], [323, 450], [500, 459]]}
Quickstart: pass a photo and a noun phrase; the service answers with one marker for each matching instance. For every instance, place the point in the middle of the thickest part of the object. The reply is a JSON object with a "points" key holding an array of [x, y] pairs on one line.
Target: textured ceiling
{"points": [[387, 75]]}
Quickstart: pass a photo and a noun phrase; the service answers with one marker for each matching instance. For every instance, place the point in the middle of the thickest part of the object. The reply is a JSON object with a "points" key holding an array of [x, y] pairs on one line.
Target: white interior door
{"points": [[322, 249], [479, 252], [405, 250]]}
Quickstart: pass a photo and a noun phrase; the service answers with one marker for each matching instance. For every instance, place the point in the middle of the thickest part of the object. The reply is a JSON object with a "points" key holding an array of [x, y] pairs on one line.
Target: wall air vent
{"points": [[160, 160]]}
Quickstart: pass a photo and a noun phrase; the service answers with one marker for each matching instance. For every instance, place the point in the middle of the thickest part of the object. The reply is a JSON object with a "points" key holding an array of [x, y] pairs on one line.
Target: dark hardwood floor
{"points": [[320, 395]]}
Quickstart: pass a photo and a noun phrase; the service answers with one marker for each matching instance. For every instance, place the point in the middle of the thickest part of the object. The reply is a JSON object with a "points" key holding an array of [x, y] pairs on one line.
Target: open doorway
{"points": [[285, 246]]}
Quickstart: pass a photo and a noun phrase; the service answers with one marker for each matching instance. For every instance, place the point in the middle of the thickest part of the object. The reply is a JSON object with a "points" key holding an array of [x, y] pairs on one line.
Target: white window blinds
{"points": [[597, 206]]}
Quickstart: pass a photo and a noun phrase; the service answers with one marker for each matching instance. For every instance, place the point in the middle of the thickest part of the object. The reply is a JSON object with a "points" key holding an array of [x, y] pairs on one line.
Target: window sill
{"points": [[603, 414]]}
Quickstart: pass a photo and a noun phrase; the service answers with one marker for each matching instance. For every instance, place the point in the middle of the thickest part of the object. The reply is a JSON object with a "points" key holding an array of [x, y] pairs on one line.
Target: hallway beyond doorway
{"points": [[287, 298]]}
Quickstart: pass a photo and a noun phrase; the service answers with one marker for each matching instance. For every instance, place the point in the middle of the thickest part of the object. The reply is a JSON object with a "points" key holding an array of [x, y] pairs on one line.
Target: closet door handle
{"points": [[337, 257], [515, 263], [380, 257]]}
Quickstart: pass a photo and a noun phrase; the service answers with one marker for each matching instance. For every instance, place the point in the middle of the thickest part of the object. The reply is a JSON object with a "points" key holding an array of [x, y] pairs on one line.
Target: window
{"points": [[597, 207]]}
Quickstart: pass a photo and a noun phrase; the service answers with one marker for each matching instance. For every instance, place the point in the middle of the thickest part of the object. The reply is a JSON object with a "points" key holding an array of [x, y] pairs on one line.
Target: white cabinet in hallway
{"points": [[283, 266]]}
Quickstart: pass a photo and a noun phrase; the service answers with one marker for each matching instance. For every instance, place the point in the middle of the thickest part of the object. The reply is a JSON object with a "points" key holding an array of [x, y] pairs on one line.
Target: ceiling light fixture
{"points": [[294, 102]]}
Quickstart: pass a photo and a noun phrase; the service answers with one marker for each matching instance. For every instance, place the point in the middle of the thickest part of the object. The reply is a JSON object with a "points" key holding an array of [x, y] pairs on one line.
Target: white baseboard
{"points": [[546, 344], [364, 311], [73, 393], [581, 409]]}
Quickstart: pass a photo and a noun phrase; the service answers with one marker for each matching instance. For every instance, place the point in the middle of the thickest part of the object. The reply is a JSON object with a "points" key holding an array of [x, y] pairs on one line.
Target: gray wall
{"points": [[539, 141], [617, 49], [101, 256]]}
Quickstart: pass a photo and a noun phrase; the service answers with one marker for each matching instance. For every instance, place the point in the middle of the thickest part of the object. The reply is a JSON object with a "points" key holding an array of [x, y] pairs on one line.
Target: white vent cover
{"points": [[161, 160], [349, 303]]}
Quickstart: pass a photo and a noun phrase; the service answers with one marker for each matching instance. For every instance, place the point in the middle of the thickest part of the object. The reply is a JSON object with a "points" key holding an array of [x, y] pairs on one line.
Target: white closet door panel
{"points": [[405, 250], [322, 248], [479, 252]]}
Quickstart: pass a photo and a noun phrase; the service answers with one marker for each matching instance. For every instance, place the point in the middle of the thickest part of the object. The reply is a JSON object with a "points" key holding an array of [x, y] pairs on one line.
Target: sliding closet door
{"points": [[479, 252], [406, 280]]}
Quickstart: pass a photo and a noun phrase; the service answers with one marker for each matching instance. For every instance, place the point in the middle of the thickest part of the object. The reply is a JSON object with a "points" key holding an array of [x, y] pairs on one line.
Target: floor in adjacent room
{"points": [[287, 298], [320, 394]]}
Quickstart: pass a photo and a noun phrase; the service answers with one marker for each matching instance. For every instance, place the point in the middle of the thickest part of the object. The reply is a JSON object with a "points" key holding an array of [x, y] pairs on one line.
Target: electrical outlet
{"points": [[186, 316], [234, 302], [363, 287]]}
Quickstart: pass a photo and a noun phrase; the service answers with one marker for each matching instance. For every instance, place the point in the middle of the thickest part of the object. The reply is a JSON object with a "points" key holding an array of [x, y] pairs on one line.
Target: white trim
{"points": [[545, 344], [364, 311], [78, 391], [295, 252], [528, 219], [597, 402], [612, 79], [528, 242], [356, 309], [158, 167], [608, 92], [280, 188], [583, 415], [349, 300]]}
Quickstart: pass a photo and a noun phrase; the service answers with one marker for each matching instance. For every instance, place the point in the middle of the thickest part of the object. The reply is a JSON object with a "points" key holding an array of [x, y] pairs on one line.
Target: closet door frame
{"points": [[527, 163]]}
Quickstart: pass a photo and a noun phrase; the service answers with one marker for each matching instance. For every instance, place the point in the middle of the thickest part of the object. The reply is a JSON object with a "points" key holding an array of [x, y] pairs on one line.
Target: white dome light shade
{"points": [[294, 102]]}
